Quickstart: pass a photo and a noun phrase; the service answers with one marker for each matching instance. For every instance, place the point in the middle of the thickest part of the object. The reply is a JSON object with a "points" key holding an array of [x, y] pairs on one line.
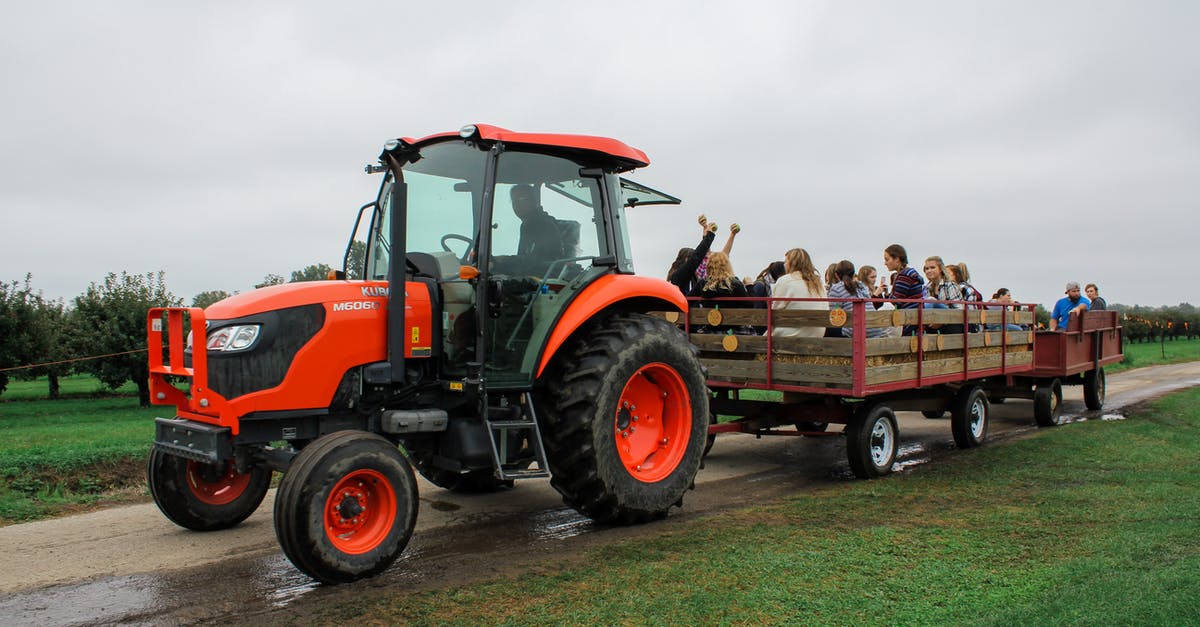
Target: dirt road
{"points": [[130, 564]]}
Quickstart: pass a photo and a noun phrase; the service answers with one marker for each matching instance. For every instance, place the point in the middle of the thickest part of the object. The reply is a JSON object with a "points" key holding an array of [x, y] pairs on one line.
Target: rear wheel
{"points": [[1094, 385], [1047, 403], [871, 441], [969, 419], [624, 416], [204, 497], [347, 507]]}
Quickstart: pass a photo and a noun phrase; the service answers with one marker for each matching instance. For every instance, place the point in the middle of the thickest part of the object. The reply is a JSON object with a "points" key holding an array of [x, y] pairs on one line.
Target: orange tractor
{"points": [[497, 333]]}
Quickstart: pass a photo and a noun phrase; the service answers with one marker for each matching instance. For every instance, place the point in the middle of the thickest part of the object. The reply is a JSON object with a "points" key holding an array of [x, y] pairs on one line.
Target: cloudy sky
{"points": [[219, 142]]}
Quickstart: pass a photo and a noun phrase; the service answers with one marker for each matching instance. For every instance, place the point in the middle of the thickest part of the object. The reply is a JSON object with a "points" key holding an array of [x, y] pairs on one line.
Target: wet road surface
{"points": [[130, 565]]}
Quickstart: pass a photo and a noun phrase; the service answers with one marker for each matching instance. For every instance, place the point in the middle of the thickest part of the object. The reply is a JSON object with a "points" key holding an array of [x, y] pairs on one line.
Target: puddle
{"points": [[909, 456], [443, 506], [560, 524]]}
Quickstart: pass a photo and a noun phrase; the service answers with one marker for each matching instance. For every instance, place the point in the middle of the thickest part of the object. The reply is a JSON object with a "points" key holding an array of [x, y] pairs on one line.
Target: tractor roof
{"points": [[627, 156]]}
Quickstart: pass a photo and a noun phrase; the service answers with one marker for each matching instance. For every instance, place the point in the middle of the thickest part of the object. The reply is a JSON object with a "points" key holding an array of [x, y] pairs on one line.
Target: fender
{"points": [[603, 293]]}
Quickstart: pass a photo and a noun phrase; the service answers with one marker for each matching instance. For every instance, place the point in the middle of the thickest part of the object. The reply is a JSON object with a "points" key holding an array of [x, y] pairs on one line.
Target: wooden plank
{"points": [[784, 373], [757, 344], [758, 317], [902, 345], [908, 317], [935, 367]]}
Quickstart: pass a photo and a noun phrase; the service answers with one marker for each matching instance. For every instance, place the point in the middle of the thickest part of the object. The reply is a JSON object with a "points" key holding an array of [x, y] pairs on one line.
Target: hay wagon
{"points": [[929, 360]]}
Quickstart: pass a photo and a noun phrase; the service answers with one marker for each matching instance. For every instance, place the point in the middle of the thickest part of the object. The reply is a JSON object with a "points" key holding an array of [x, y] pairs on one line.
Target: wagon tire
{"points": [[969, 418], [610, 459], [347, 507], [872, 441], [1047, 403], [204, 497], [1094, 389]]}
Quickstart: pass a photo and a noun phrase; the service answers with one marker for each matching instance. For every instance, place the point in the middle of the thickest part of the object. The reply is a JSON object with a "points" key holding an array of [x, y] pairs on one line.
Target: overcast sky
{"points": [[1039, 142]]}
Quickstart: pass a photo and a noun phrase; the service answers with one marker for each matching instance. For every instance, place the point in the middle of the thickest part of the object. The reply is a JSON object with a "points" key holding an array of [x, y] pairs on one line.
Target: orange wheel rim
{"points": [[653, 422], [216, 485], [360, 512]]}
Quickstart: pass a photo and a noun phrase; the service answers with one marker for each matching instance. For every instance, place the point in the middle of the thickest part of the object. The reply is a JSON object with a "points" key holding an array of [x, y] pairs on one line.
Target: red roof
{"points": [[614, 148]]}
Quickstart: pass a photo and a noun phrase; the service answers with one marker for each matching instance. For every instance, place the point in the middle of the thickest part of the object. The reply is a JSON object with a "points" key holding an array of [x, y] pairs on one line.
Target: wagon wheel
{"points": [[871, 441], [1047, 403]]}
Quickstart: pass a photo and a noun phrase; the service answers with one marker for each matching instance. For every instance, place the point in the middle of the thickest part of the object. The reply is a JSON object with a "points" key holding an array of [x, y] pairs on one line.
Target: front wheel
{"points": [[624, 419], [347, 507], [204, 497], [871, 441], [1047, 403], [1094, 389], [969, 418]]}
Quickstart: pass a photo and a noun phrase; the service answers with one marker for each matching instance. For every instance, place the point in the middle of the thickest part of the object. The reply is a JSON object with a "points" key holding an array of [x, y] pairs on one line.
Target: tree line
{"points": [[101, 332]]}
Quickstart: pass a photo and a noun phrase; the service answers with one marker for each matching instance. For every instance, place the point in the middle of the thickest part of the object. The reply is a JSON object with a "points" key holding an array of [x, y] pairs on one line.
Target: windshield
{"points": [[444, 195]]}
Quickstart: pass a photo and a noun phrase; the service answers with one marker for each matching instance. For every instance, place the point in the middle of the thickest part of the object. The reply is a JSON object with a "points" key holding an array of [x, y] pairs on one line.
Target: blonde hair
{"points": [[934, 284], [720, 272], [797, 260], [963, 275]]}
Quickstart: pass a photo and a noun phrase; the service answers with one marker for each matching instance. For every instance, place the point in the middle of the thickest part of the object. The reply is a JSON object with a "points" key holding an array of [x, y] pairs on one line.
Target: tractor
{"points": [[494, 330]]}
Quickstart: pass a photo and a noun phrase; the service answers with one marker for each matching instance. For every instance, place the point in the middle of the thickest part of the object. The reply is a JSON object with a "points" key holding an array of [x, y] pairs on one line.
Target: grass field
{"points": [[74, 386], [1151, 354], [1092, 523], [59, 455]]}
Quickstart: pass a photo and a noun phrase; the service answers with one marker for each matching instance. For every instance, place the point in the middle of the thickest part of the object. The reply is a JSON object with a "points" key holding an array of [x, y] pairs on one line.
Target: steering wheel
{"points": [[452, 236]]}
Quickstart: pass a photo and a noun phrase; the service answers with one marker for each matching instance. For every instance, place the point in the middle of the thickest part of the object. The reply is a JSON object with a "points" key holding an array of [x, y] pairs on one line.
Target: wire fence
{"points": [[71, 361]]}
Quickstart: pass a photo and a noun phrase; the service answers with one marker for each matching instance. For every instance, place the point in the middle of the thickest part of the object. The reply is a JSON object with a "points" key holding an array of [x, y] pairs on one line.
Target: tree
{"points": [[204, 299], [269, 280], [17, 315], [357, 260], [110, 319], [49, 332], [316, 272]]}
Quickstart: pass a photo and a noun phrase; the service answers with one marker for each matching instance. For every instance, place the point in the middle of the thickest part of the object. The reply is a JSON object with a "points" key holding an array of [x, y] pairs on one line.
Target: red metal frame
{"points": [[858, 387]]}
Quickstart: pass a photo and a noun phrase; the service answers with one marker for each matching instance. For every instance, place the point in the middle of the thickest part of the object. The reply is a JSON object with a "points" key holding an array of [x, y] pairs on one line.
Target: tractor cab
{"points": [[511, 227]]}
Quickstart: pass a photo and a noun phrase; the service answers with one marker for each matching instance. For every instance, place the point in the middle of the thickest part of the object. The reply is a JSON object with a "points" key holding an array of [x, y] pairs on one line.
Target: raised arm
{"points": [[734, 229]]}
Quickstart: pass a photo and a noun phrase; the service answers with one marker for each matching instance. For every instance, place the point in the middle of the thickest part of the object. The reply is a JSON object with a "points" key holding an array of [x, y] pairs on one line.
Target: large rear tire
{"points": [[871, 441], [204, 497], [1047, 403], [1094, 389], [969, 418], [347, 507], [624, 419]]}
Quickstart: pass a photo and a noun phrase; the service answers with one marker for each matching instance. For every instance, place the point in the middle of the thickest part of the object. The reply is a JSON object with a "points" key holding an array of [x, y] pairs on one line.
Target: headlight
{"points": [[233, 338]]}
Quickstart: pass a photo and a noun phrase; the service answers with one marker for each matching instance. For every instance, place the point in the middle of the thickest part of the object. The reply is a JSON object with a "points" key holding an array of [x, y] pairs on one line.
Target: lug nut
{"points": [[638, 468]]}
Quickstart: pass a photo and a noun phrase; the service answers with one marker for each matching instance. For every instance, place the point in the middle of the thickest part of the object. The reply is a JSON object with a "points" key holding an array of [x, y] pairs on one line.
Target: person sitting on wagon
{"points": [[1097, 301], [907, 283], [801, 281], [848, 286], [941, 288], [959, 274], [1001, 301], [682, 273], [1071, 304]]}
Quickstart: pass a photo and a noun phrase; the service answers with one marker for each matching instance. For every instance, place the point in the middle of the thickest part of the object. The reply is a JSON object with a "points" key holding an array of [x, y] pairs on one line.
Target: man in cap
{"points": [[1067, 306]]}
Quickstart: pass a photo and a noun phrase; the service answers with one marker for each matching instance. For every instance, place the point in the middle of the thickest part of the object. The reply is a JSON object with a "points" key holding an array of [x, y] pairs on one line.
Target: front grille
{"points": [[265, 365]]}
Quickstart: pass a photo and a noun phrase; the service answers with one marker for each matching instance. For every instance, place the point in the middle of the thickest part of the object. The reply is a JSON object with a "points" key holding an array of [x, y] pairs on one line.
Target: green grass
{"points": [[57, 455], [1092, 523], [1151, 354], [74, 386]]}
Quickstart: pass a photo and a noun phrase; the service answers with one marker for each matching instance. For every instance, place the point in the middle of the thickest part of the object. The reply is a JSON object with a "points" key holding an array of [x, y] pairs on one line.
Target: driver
{"points": [[540, 238]]}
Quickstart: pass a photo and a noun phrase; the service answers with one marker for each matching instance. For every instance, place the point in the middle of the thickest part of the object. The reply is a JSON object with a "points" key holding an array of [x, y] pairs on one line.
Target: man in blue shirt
{"points": [[1068, 306]]}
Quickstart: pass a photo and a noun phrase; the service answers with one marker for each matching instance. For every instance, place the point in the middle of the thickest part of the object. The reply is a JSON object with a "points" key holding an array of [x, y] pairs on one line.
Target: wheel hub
{"points": [[350, 507]]}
